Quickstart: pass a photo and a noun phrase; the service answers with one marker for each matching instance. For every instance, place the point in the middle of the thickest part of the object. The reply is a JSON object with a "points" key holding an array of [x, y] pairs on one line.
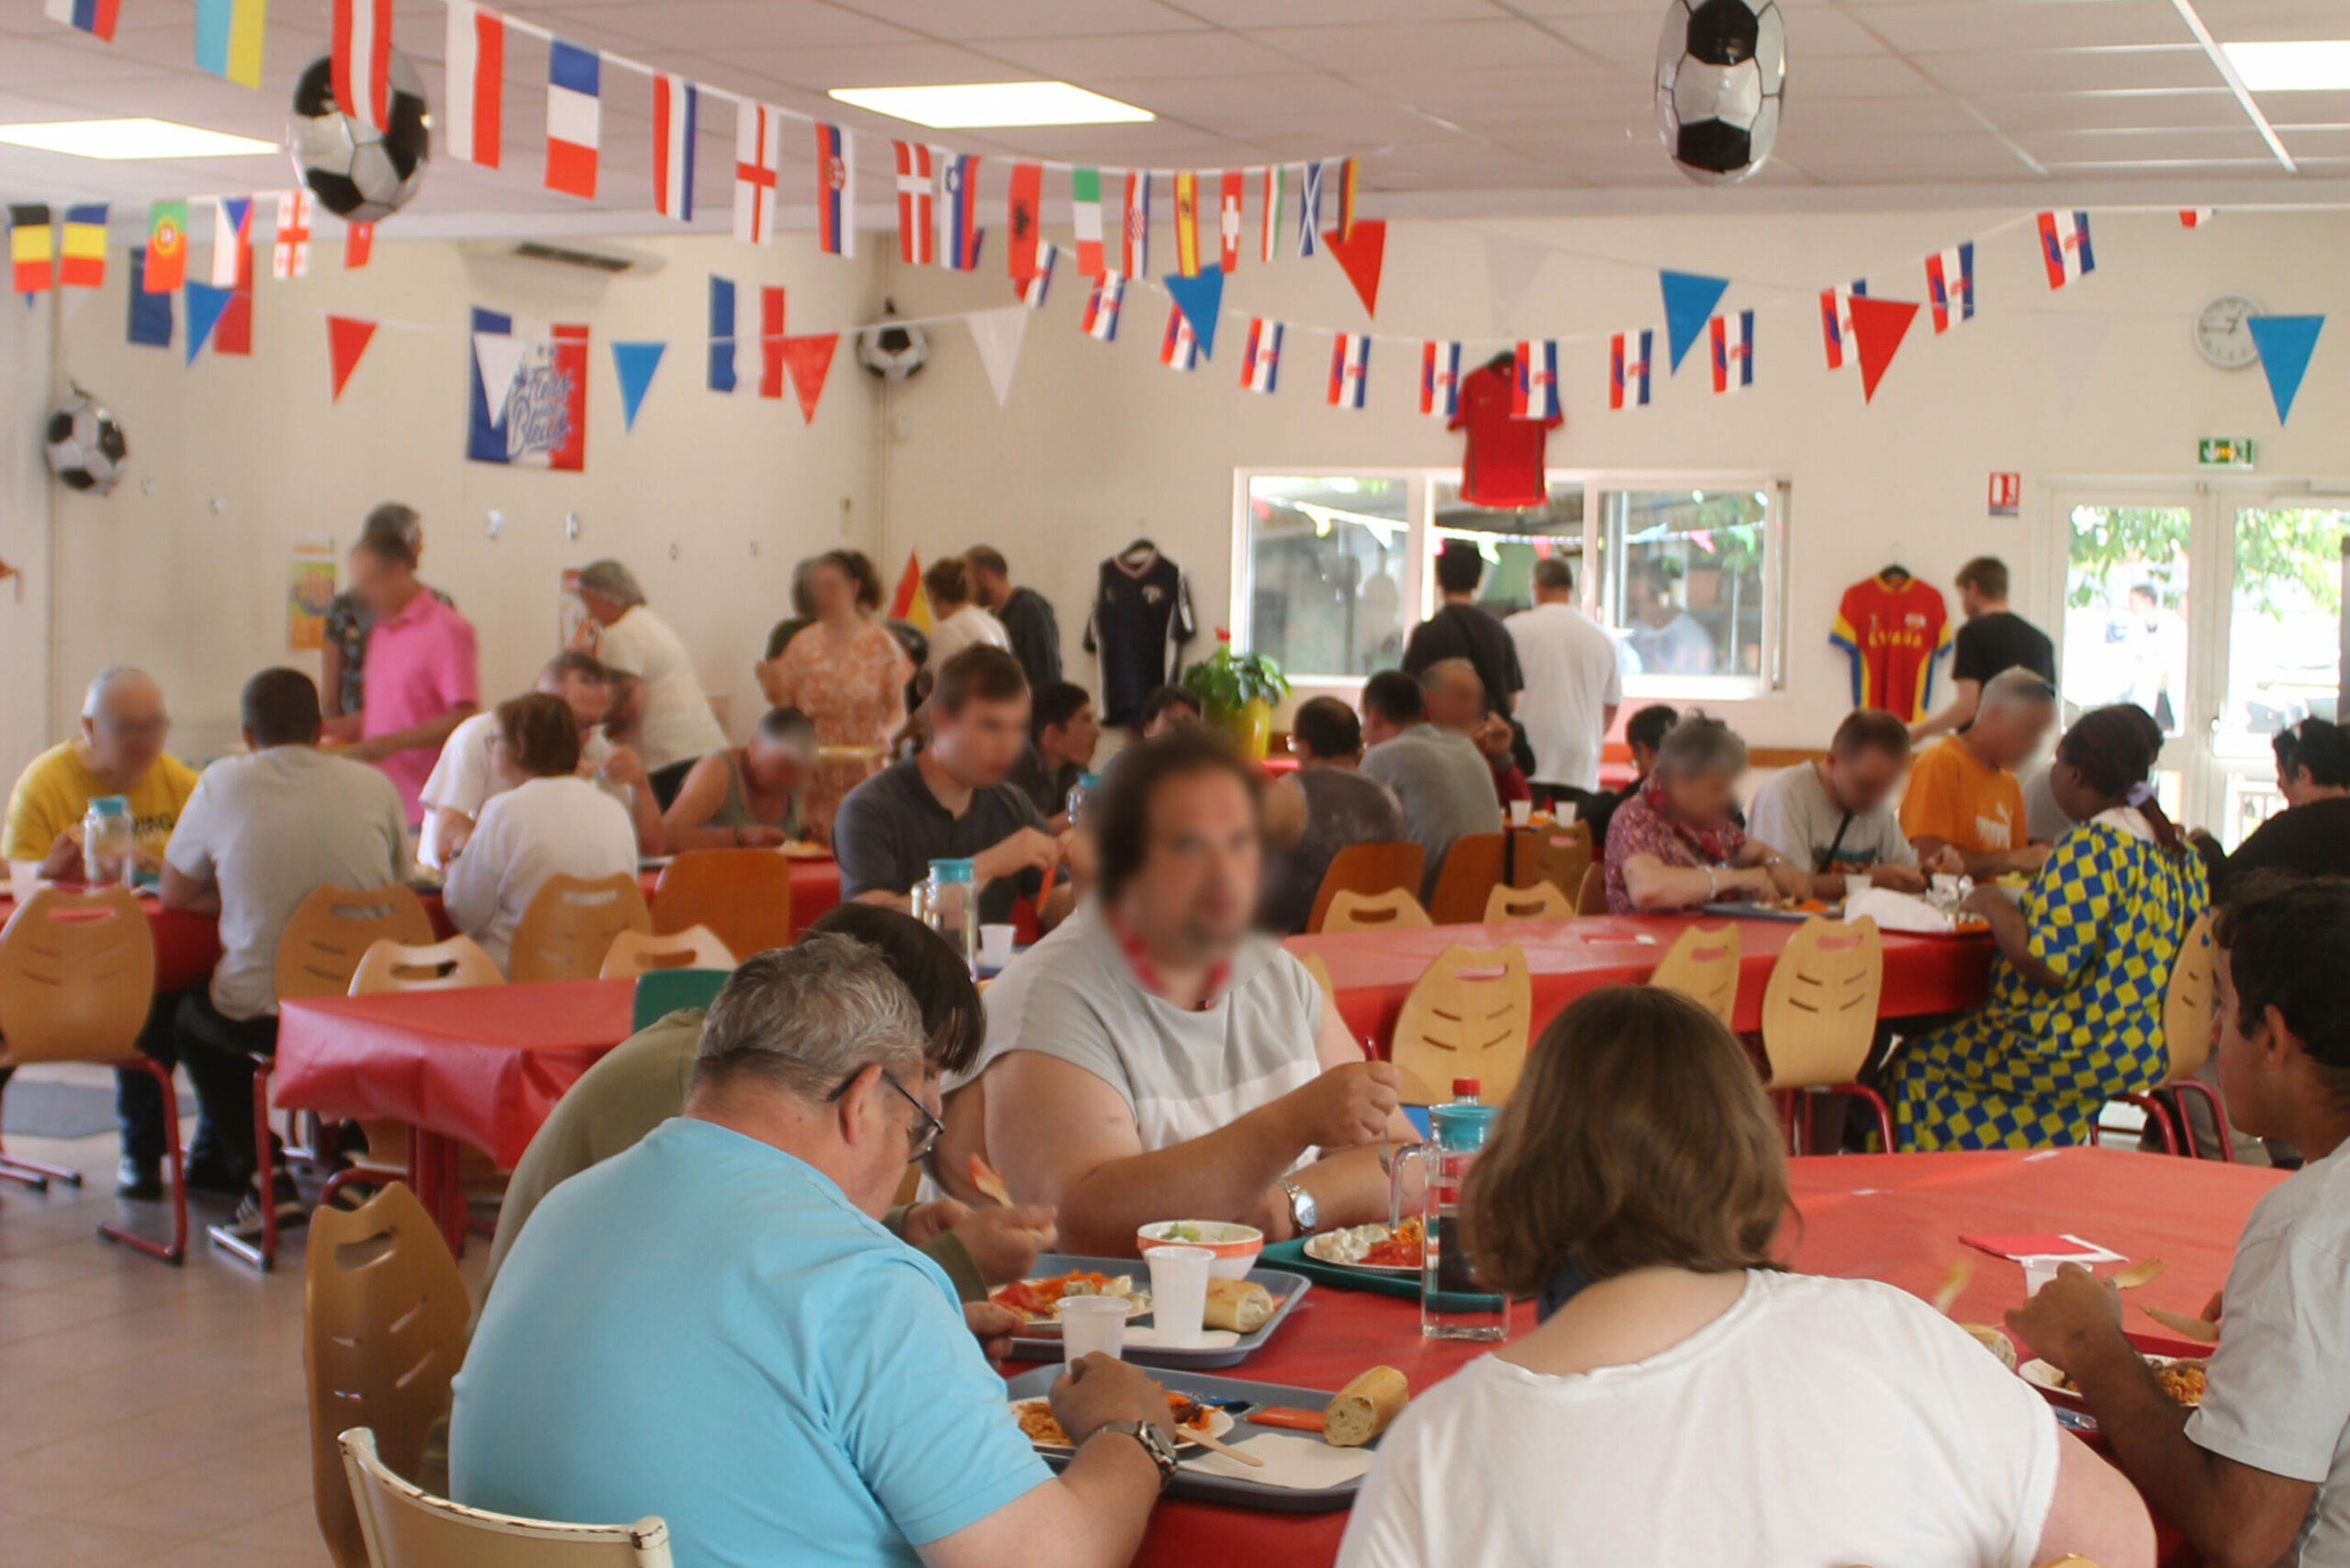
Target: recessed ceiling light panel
{"points": [[993, 103], [2320, 65], [122, 140]]}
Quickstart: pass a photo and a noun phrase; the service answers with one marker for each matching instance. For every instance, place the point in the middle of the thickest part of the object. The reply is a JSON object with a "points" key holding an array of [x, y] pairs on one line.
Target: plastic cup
{"points": [[1095, 1325], [995, 946], [24, 882], [1563, 813], [2038, 1271], [1520, 812], [1178, 1292]]}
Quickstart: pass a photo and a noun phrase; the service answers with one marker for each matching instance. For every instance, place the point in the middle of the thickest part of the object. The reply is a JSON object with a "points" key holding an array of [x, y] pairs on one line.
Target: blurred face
{"points": [[1704, 798], [1643, 758], [509, 766], [2010, 734], [384, 586], [2241, 1059], [981, 745], [1173, 716], [1970, 602], [1650, 600], [127, 735], [2296, 785], [588, 701], [602, 609], [1196, 892], [1862, 780], [1076, 740], [1375, 727], [832, 591], [775, 767], [987, 588], [1456, 701]]}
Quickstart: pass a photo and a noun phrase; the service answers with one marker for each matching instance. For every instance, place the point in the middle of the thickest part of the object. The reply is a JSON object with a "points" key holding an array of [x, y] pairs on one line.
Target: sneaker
{"points": [[246, 1227], [141, 1179]]}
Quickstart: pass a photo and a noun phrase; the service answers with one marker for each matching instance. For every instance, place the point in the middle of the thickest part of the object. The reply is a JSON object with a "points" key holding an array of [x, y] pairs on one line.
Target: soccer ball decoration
{"points": [[86, 449], [356, 172], [1721, 70], [892, 352]]}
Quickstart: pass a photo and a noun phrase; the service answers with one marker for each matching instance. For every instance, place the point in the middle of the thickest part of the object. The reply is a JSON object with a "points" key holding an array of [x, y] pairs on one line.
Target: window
{"points": [[1324, 573]]}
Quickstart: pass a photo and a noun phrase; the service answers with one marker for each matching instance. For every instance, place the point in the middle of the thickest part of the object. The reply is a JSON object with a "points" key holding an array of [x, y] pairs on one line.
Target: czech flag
{"points": [[958, 220], [1261, 358], [473, 115], [1627, 368], [362, 57], [82, 261], [574, 118], [2064, 246], [677, 125], [1733, 345], [915, 234], [1349, 368], [835, 190], [1533, 390], [1101, 307], [233, 240], [33, 253], [1178, 350], [1836, 320], [1440, 379], [93, 17]]}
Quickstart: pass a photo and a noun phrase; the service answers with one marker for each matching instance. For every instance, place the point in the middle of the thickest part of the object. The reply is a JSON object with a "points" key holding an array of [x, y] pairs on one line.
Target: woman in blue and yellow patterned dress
{"points": [[2074, 1016]]}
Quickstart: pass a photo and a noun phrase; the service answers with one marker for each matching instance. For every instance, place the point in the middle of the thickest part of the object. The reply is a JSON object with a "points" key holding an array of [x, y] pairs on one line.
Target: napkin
{"points": [[1147, 1334], [1897, 911], [2049, 1248], [1296, 1464]]}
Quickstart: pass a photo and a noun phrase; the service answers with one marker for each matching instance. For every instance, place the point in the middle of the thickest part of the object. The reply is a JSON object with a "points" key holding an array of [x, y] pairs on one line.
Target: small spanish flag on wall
{"points": [[32, 259], [84, 261]]}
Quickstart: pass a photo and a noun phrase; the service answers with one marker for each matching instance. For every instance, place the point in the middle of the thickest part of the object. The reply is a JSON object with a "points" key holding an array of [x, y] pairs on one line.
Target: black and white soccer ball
{"points": [[892, 352], [86, 449], [1721, 70], [356, 172]]}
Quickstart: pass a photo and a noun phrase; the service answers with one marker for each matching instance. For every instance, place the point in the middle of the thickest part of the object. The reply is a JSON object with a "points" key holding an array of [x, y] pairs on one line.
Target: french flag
{"points": [[836, 191], [1178, 350], [2064, 246], [1534, 393], [1440, 379], [1733, 339], [677, 123], [1950, 286], [915, 234], [574, 118], [473, 115], [1836, 320], [958, 218], [1101, 307], [1261, 357], [93, 17], [1349, 368], [1627, 368], [361, 61]]}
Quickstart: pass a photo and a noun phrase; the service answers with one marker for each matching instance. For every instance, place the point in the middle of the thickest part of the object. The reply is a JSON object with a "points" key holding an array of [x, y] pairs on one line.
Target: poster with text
{"points": [[529, 394], [309, 590]]}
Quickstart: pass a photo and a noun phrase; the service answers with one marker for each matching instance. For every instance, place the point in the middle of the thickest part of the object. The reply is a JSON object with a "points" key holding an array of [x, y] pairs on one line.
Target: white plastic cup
{"points": [[1095, 1325], [1563, 813], [995, 946], [1179, 1293], [1520, 812], [24, 882], [2038, 1271]]}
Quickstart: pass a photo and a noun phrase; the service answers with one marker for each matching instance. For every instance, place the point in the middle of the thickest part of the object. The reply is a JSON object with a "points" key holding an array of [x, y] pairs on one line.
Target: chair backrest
{"points": [[2188, 1000], [743, 895], [1543, 900], [458, 964], [1702, 963], [77, 976], [1819, 1008], [384, 1315], [1591, 897], [1556, 855], [634, 953], [660, 993], [1471, 869], [406, 1527], [1394, 910], [1469, 1016], [1321, 973], [1378, 867], [331, 930], [570, 926]]}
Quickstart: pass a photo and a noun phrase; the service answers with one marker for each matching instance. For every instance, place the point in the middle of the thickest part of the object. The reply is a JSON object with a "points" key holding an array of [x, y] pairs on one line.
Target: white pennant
{"points": [[2073, 342], [998, 335], [498, 356], [1510, 266]]}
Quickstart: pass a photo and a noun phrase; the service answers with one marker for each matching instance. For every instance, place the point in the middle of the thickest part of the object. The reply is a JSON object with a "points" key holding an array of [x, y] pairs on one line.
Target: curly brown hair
{"points": [[541, 735]]}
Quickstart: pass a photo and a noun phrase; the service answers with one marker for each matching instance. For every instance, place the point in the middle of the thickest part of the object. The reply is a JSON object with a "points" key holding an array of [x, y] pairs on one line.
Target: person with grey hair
{"points": [[343, 652], [1963, 793], [658, 706], [1454, 696], [715, 1327], [1677, 844]]}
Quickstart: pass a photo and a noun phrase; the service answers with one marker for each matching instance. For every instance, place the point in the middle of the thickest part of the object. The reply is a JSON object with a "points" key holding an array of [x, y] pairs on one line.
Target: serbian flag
{"points": [[290, 256], [1733, 345], [1533, 388], [958, 214], [2196, 216], [1346, 199], [1309, 209], [358, 245], [93, 17], [473, 115], [1187, 224], [758, 152], [1101, 307], [1032, 292], [81, 258], [676, 126], [836, 191], [1178, 350], [232, 239], [361, 61], [1085, 213], [575, 118], [167, 267], [915, 235], [1836, 321], [1950, 286], [1234, 195], [2064, 246], [1349, 368], [1133, 239], [1261, 357], [1023, 215], [1627, 368], [1440, 379]]}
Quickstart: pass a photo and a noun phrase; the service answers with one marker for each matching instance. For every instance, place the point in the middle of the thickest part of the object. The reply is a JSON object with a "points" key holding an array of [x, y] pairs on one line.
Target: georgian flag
{"points": [[916, 235], [360, 61], [1440, 379], [575, 118], [1349, 368], [2064, 246], [1534, 389], [835, 190], [290, 256], [1309, 209], [2196, 216], [1268, 210], [1101, 307], [1178, 350], [1085, 213], [1836, 320], [472, 117], [758, 153], [1261, 357], [1134, 240], [1234, 195], [1628, 367], [959, 211], [1950, 286], [1032, 292], [1733, 342], [677, 125]]}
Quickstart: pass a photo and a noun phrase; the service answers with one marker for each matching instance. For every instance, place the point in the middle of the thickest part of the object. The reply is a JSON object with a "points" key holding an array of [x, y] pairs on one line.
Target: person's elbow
{"points": [[2097, 1514]]}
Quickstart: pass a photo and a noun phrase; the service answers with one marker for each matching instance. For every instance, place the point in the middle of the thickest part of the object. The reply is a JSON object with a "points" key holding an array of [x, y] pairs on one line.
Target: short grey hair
{"points": [[612, 581], [1434, 676], [108, 680], [2018, 686], [394, 519], [1700, 743], [807, 1018]]}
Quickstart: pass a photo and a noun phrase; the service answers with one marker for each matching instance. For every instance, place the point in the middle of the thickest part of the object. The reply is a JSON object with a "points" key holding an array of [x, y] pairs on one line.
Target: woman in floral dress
{"points": [[848, 675]]}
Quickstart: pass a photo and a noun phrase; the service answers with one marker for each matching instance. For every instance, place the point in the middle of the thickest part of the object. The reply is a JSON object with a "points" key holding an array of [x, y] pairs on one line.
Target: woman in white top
{"points": [[550, 821], [658, 705], [956, 623], [1685, 1401]]}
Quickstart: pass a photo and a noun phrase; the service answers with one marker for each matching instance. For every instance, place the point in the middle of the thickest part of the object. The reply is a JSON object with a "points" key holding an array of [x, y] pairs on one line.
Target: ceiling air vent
{"points": [[612, 263]]}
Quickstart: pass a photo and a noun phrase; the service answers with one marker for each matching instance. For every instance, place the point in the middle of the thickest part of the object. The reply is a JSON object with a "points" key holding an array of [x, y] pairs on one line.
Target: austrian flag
{"points": [[676, 123], [2064, 246], [474, 111], [1261, 357], [915, 230], [1440, 379], [758, 152], [836, 191], [1627, 368], [361, 61], [1101, 307], [1349, 368], [1950, 286], [574, 118], [1733, 345]]}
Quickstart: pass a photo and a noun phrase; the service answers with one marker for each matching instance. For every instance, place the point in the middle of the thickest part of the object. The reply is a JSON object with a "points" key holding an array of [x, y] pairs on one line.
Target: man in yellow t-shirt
{"points": [[1962, 793]]}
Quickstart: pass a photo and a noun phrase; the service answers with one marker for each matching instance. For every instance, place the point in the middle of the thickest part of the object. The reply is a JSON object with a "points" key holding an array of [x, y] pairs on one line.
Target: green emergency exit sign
{"points": [[2224, 452]]}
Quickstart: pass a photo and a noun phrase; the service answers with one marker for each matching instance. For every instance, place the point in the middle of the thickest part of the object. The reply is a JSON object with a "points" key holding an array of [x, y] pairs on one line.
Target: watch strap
{"points": [[1153, 1442]]}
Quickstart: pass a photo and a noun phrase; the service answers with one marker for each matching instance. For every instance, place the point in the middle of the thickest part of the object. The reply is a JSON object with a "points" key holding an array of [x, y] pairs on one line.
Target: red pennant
{"points": [[810, 360], [358, 246], [347, 339], [1362, 254], [1878, 327]]}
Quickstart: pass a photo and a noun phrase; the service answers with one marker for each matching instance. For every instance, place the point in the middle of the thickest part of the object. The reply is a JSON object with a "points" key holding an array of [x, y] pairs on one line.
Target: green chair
{"points": [[660, 993]]}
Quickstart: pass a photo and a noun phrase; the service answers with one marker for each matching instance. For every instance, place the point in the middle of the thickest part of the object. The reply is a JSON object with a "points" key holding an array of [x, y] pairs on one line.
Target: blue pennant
{"points": [[2285, 344], [1689, 301], [635, 363], [205, 304], [1201, 300]]}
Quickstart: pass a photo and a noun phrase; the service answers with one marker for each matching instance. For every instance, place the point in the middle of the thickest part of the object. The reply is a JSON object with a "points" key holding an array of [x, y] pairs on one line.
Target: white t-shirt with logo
{"points": [[674, 721], [1572, 677], [466, 775]]}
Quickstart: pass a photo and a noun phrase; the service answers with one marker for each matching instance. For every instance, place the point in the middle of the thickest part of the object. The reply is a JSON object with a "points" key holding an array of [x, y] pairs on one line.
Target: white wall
{"points": [[25, 400]]}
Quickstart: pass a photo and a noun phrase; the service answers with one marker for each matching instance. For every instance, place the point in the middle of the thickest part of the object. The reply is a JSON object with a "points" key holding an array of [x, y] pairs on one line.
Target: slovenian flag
{"points": [[1950, 286], [1085, 215], [915, 234], [574, 118], [93, 17], [1232, 197], [1733, 345], [1627, 368], [232, 239], [1261, 357], [1187, 223], [758, 152], [1309, 209], [473, 111], [1133, 239], [1349, 368], [32, 249], [1032, 292], [82, 257], [1101, 307], [1178, 350], [958, 214], [1440, 379], [362, 57], [2064, 246], [1269, 211], [1836, 320], [676, 126], [1533, 386], [836, 191]]}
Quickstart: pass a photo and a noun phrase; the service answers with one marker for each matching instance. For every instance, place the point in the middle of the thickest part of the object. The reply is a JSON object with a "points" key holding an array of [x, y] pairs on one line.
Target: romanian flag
{"points": [[1187, 224], [82, 262], [910, 604], [167, 247], [94, 16], [32, 258]]}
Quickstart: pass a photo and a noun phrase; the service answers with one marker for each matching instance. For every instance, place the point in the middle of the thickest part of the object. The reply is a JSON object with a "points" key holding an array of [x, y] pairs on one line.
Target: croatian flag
{"points": [[1085, 214], [1836, 321], [1733, 339], [1269, 209], [1309, 209], [574, 118], [2196, 216], [361, 61], [758, 152], [290, 257], [530, 394], [473, 115], [233, 238], [1950, 286], [1232, 197], [94, 16], [1261, 357], [916, 237], [1135, 238], [1627, 368], [958, 214], [2064, 246], [1440, 379], [1178, 350], [1101, 307], [1349, 368], [836, 191], [1534, 391], [1031, 289], [677, 125]]}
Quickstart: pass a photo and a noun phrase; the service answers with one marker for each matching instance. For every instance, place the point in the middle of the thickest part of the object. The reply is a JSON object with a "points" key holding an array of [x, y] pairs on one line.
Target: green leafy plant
{"points": [[2280, 555], [1229, 680]]}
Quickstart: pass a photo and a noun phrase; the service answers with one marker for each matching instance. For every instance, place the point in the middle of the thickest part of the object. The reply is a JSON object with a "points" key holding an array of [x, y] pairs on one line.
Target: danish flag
{"points": [[1627, 368], [1950, 286], [1349, 368], [759, 151], [2064, 246], [1733, 343], [1836, 320], [915, 236], [1260, 359], [1440, 379]]}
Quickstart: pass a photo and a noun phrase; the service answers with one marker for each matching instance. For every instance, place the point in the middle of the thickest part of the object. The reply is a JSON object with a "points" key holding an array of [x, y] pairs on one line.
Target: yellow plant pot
{"points": [[1251, 724]]}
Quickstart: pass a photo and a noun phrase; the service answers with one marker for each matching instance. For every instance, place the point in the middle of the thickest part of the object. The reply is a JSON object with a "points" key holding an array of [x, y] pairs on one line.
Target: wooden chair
{"points": [[570, 924], [1543, 900], [406, 1527], [1559, 856], [2189, 1002], [331, 931], [384, 1315], [1368, 868], [1472, 869], [77, 976], [635, 953], [1469, 1016], [1394, 910], [1820, 1017], [1702, 963], [1591, 895], [742, 895]]}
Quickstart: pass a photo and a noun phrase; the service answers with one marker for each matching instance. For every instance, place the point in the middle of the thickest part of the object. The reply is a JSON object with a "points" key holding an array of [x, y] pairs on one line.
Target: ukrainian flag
{"points": [[227, 39]]}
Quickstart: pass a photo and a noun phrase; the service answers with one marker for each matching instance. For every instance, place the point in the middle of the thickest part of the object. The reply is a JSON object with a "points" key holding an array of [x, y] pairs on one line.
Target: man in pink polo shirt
{"points": [[420, 675]]}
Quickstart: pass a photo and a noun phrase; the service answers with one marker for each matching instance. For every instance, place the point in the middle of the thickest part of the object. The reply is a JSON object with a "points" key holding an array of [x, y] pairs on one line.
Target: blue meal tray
{"points": [[1291, 1287]]}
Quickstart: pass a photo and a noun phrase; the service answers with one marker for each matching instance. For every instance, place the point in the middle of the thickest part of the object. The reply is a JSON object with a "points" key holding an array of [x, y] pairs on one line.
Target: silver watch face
{"points": [[1303, 1215]]}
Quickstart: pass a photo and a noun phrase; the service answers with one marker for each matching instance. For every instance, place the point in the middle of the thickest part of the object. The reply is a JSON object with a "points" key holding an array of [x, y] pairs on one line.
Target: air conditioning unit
{"points": [[560, 271]]}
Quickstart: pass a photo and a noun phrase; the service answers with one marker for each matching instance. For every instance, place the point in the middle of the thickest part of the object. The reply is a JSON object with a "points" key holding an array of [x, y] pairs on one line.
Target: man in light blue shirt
{"points": [[714, 1328]]}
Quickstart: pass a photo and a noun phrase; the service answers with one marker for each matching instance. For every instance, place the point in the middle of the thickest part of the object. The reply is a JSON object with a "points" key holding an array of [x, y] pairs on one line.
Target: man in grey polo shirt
{"points": [[1443, 780]]}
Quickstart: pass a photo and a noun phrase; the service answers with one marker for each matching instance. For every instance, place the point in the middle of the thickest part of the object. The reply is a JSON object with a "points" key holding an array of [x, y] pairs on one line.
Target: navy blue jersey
{"points": [[1141, 619]]}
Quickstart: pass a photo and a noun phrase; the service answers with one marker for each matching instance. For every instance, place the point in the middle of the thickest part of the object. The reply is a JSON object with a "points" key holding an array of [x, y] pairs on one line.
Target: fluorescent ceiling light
{"points": [[993, 103], [132, 138], [2320, 65]]}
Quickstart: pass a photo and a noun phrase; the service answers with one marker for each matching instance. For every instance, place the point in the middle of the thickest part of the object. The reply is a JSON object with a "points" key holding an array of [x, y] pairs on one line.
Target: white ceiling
{"points": [[1464, 107]]}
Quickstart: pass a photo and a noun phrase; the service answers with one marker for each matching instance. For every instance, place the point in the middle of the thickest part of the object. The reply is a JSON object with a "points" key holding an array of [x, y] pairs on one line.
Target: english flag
{"points": [[836, 191], [959, 216], [917, 233], [1032, 292], [1349, 368], [1309, 209], [1178, 350], [1268, 210], [1261, 357], [473, 116], [1233, 194], [1085, 214], [1836, 320], [758, 152], [1950, 286], [1533, 388], [575, 118], [1440, 379], [1187, 223], [1024, 217], [290, 257], [1733, 343], [1101, 307], [2064, 246], [361, 61], [2196, 216], [1133, 239], [676, 126], [232, 239], [1628, 367]]}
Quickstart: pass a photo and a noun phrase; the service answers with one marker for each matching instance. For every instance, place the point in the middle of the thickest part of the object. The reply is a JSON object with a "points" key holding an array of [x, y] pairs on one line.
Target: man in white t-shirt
{"points": [[2260, 1474], [467, 776], [1574, 682], [657, 700]]}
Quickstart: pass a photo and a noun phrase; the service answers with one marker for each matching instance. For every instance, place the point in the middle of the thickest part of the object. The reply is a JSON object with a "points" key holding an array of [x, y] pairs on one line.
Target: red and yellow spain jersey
{"points": [[1894, 627]]}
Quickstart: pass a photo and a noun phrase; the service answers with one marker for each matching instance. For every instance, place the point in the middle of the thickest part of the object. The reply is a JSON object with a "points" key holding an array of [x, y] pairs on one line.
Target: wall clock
{"points": [[2221, 335]]}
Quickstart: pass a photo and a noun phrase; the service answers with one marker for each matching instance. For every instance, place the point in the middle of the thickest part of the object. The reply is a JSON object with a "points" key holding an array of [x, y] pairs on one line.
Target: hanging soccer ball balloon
{"points": [[1721, 68], [357, 172], [86, 449], [892, 352]]}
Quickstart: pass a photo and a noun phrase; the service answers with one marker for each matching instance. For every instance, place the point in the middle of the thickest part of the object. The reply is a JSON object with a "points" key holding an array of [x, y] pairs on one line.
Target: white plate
{"points": [[1137, 1306], [1322, 1249], [2051, 1383], [1219, 1423]]}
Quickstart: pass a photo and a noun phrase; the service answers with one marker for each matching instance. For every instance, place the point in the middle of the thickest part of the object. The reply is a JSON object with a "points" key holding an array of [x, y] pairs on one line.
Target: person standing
{"points": [[1028, 615], [422, 679], [1460, 630], [1318, 811], [657, 702], [848, 674], [1993, 639], [1575, 683], [956, 624], [1443, 781], [343, 651]]}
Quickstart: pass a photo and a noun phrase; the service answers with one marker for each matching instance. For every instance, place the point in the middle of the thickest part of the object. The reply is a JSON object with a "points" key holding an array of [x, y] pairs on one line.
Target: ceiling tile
{"points": [[1084, 60], [2006, 26], [1434, 45], [971, 21], [2060, 71], [885, 65]]}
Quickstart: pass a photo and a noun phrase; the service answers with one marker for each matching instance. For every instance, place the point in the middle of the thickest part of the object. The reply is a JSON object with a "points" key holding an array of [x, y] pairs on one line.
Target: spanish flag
{"points": [[910, 604], [85, 261], [1187, 224], [31, 255]]}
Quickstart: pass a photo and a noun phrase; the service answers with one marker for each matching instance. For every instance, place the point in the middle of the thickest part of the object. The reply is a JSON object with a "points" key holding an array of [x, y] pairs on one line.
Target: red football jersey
{"points": [[1503, 467], [1893, 629]]}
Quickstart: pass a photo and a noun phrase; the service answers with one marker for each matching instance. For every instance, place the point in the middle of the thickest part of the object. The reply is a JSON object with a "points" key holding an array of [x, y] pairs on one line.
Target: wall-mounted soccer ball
{"points": [[1721, 69], [892, 352], [356, 172], [86, 449]]}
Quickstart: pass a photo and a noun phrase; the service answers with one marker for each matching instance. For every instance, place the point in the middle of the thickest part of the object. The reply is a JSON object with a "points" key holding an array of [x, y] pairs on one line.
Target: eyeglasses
{"points": [[923, 1135]]}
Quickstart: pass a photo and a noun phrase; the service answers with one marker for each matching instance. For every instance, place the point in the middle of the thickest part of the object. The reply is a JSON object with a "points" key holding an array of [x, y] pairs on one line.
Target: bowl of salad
{"points": [[1234, 1245]]}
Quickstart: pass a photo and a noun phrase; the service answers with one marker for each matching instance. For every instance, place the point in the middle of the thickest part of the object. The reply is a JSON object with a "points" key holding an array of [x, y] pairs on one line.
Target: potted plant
{"points": [[1238, 692]]}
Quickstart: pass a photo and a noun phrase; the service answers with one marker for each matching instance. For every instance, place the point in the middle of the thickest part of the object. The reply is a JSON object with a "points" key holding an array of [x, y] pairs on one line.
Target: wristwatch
{"points": [[1154, 1443], [1304, 1215]]}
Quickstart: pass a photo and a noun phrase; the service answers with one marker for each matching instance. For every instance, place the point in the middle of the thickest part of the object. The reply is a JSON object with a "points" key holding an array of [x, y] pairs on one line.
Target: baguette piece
{"points": [[1365, 1408], [1240, 1306]]}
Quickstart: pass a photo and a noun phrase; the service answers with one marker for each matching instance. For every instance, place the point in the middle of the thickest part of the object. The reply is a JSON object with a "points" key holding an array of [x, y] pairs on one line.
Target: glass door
{"points": [[2283, 648], [2124, 636]]}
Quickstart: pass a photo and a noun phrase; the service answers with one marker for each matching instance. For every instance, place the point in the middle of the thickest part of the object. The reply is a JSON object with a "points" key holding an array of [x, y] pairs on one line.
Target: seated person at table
{"points": [[749, 797], [1832, 817], [1644, 732], [467, 776], [951, 800], [2074, 1014], [714, 1327], [1454, 700], [2260, 1474], [2310, 837], [1963, 793], [1166, 708], [1442, 781], [1633, 1185], [1319, 810], [1152, 1059], [1673, 848], [261, 833], [550, 821], [1062, 736]]}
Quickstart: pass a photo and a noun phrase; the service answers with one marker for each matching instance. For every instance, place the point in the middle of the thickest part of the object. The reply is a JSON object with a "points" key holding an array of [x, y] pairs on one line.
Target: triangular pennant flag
{"points": [[998, 335], [205, 304], [1689, 301], [1510, 266], [910, 604], [2285, 342], [810, 360], [347, 339], [498, 356], [2073, 343], [1362, 254], [1201, 300], [635, 364], [1878, 327]]}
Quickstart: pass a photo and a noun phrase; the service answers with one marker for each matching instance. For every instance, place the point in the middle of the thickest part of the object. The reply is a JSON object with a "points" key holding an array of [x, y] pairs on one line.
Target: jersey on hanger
{"points": [[1142, 616], [1893, 628], [1503, 464]]}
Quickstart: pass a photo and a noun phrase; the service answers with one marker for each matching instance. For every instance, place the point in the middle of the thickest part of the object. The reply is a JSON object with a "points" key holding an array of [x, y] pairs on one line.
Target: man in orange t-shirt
{"points": [[1963, 793]]}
